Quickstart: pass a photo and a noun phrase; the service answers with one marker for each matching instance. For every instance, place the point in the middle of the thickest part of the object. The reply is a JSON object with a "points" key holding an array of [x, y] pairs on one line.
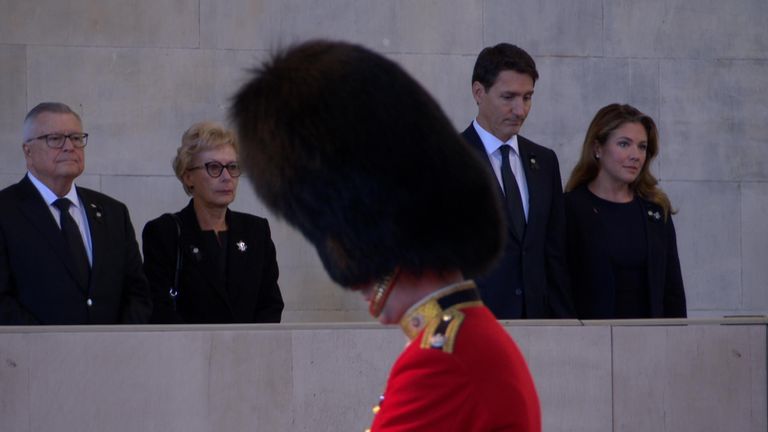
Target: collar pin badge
{"points": [[241, 246], [532, 161], [196, 253], [98, 213]]}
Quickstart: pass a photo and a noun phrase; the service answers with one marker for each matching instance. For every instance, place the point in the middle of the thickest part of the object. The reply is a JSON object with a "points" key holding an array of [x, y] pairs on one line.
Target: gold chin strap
{"points": [[381, 293]]}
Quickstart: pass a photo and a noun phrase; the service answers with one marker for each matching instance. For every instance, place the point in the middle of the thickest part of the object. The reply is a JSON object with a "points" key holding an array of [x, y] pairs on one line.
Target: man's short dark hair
{"points": [[351, 150], [50, 107], [496, 59]]}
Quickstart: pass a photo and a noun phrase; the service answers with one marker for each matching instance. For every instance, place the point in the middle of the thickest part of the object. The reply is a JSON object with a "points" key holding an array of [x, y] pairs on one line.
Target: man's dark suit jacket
{"points": [[251, 295], [590, 270], [530, 280], [37, 276]]}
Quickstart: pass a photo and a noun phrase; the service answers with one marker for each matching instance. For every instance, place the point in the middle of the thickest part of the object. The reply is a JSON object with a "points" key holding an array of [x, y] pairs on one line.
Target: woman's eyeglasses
{"points": [[214, 169]]}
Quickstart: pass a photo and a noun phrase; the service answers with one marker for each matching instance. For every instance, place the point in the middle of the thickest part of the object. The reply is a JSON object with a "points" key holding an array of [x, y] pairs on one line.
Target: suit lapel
{"points": [[98, 230], [654, 223], [533, 179], [238, 250], [36, 210], [471, 136]]}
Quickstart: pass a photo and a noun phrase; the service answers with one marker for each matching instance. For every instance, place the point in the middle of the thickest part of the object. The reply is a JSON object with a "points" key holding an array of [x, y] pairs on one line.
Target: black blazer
{"points": [[37, 278], [591, 276], [252, 294], [533, 267]]}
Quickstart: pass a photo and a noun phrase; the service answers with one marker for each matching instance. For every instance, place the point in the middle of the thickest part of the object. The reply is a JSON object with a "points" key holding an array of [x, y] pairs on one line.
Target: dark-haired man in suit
{"points": [[68, 255], [530, 280]]}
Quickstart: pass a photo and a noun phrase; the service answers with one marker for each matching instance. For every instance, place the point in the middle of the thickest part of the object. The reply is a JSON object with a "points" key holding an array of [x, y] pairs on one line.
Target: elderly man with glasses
{"points": [[68, 255]]}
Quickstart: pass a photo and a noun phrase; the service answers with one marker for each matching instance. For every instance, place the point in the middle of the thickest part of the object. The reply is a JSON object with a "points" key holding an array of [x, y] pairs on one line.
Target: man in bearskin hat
{"points": [[349, 149]]}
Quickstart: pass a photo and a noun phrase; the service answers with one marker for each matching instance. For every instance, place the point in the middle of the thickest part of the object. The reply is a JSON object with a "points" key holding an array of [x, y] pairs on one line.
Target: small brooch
{"points": [[654, 216], [241, 246], [532, 162], [98, 210], [195, 253]]}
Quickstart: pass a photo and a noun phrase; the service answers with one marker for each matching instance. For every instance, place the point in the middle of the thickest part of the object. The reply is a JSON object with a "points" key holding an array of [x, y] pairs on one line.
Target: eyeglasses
{"points": [[57, 140], [214, 169]]}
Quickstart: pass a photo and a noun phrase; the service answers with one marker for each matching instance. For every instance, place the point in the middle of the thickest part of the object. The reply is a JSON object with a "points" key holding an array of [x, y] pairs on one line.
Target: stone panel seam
{"points": [[199, 23], [602, 27]]}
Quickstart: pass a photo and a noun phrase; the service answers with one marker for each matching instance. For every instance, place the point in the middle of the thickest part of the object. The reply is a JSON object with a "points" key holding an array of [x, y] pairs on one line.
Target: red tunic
{"points": [[462, 372]]}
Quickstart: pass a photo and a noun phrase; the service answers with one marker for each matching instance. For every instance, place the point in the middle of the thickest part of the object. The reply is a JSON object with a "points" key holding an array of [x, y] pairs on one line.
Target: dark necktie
{"points": [[512, 192], [74, 240]]}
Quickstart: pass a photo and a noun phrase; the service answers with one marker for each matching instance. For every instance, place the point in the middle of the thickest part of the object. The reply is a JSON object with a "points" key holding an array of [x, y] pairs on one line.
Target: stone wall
{"points": [[601, 376]]}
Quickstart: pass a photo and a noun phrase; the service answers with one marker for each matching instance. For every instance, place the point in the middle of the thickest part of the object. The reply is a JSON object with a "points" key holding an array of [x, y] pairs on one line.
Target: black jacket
{"points": [[532, 267], [251, 295], [37, 278], [592, 279]]}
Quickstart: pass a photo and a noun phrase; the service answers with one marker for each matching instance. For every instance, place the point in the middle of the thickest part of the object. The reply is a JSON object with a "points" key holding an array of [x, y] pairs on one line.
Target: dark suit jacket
{"points": [[532, 268], [589, 263], [251, 295], [37, 278]]}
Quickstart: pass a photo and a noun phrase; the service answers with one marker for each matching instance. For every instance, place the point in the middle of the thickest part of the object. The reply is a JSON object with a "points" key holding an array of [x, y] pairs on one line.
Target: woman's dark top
{"points": [[622, 258], [624, 237]]}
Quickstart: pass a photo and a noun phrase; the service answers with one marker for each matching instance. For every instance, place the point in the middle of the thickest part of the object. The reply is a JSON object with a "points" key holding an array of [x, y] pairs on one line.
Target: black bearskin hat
{"points": [[352, 151]]}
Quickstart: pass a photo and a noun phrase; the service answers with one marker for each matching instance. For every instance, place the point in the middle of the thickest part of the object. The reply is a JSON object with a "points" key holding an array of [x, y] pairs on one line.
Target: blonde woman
{"points": [[207, 263]]}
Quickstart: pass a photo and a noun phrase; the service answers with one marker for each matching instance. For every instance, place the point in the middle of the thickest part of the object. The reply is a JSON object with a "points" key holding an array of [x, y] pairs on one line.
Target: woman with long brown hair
{"points": [[622, 247]]}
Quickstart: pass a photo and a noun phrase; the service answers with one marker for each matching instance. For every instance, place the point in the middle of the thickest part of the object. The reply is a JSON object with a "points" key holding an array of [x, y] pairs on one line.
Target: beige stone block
{"points": [[425, 26], [689, 378], [571, 367], [13, 69], [713, 120], [708, 242], [15, 372], [335, 389], [159, 23], [683, 29], [251, 381], [548, 27], [754, 247], [100, 381]]}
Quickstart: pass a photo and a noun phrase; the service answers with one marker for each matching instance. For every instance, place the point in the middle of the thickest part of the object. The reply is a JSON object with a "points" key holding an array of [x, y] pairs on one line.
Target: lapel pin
{"points": [[532, 162], [241, 246], [195, 253], [97, 209]]}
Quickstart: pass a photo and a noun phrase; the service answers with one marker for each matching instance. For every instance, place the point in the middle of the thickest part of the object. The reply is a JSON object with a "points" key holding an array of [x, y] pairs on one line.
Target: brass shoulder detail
{"points": [[441, 332]]}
